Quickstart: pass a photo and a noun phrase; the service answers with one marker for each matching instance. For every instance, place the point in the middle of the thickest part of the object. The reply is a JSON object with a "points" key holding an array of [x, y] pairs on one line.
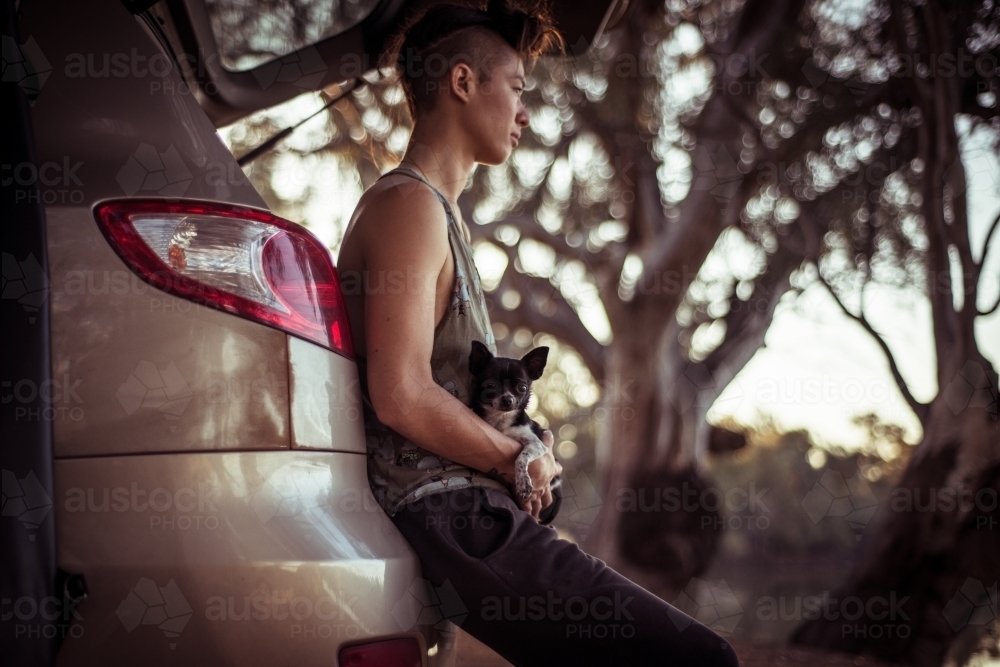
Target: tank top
{"points": [[399, 470]]}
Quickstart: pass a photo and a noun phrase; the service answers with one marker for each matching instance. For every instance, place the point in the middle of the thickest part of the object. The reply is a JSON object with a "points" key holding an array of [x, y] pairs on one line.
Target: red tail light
{"points": [[392, 653], [240, 260]]}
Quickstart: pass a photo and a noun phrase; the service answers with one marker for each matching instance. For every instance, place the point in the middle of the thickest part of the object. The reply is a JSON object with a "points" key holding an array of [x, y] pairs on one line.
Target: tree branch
{"points": [[986, 243], [526, 226], [920, 409], [982, 261], [564, 323], [992, 309]]}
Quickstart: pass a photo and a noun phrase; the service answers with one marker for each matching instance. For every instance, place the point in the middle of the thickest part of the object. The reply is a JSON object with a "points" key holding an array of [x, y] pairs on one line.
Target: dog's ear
{"points": [[535, 361], [479, 357]]}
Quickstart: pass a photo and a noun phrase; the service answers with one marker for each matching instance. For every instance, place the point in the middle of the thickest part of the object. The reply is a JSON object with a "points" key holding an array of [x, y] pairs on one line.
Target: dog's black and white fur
{"points": [[501, 389]]}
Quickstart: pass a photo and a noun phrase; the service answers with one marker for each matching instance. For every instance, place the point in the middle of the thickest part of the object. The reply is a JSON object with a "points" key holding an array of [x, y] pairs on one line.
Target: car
{"points": [[184, 472]]}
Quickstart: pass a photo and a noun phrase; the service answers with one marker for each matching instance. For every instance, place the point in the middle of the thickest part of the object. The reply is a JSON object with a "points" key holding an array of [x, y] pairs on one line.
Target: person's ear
{"points": [[463, 81]]}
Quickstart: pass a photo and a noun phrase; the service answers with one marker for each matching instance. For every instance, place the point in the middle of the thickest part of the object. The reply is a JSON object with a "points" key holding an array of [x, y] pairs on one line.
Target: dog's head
{"points": [[502, 383]]}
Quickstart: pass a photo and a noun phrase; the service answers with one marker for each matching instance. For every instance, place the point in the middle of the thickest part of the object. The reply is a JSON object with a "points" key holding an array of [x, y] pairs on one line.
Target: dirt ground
{"points": [[471, 653]]}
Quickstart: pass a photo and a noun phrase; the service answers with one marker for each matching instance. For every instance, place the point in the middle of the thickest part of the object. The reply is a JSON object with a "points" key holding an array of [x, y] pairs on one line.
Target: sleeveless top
{"points": [[399, 470]]}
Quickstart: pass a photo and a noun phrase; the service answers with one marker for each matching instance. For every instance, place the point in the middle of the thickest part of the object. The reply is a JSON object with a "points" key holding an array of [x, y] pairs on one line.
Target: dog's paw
{"points": [[524, 487], [522, 480], [533, 449]]}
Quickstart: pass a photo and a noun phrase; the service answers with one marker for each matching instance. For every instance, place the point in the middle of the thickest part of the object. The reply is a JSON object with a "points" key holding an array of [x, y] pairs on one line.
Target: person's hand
{"points": [[542, 470]]}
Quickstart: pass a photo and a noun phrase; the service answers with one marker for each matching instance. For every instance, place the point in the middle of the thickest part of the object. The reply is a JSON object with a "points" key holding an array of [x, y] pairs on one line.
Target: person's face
{"points": [[497, 114]]}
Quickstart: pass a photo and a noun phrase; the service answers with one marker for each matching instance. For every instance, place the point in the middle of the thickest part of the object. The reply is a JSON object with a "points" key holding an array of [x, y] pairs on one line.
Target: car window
{"points": [[252, 32]]}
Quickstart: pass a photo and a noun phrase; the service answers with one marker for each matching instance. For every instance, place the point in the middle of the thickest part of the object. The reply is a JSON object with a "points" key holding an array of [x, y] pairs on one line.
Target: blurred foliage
{"points": [[251, 32], [792, 557], [789, 465]]}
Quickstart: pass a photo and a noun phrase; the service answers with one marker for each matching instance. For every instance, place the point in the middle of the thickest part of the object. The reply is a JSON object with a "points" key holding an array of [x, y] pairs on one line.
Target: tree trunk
{"points": [[936, 542], [655, 399], [660, 410]]}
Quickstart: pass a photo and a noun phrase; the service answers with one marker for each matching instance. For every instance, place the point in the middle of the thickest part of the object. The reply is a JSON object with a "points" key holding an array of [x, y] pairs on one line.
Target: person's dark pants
{"points": [[537, 599]]}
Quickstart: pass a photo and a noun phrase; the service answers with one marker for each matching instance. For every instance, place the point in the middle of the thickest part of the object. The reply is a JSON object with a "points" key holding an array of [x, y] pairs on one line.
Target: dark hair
{"points": [[450, 34]]}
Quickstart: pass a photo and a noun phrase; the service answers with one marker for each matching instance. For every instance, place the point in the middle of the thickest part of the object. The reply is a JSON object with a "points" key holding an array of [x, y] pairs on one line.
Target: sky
{"points": [[819, 369]]}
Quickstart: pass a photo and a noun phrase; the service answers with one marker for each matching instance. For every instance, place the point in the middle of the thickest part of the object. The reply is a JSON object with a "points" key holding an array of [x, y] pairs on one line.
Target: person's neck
{"points": [[436, 150]]}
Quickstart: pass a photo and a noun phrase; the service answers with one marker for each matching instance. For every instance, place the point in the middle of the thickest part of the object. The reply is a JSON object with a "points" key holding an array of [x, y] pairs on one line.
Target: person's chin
{"points": [[494, 159]]}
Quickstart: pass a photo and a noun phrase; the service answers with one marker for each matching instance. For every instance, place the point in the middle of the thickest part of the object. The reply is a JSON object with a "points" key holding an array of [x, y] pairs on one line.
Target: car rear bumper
{"points": [[238, 557]]}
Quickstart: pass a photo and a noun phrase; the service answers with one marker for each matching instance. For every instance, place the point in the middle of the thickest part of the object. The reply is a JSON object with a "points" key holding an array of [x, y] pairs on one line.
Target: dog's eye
{"points": [[521, 388], [491, 386]]}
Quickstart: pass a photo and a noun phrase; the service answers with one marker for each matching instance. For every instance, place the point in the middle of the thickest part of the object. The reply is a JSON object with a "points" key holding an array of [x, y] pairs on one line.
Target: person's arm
{"points": [[410, 252]]}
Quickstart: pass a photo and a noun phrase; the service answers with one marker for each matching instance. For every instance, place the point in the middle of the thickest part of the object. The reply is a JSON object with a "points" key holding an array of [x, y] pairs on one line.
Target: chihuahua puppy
{"points": [[501, 388]]}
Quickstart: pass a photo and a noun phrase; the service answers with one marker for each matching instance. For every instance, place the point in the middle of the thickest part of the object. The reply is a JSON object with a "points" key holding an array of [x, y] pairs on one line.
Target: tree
{"points": [[821, 140], [851, 135], [909, 222]]}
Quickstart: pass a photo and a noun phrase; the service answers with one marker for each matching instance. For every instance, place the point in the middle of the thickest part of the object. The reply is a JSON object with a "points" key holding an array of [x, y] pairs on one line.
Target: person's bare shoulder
{"points": [[402, 216], [406, 239]]}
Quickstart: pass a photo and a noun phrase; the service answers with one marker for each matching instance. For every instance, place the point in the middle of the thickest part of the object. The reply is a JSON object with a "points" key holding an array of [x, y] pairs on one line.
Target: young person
{"points": [[439, 471]]}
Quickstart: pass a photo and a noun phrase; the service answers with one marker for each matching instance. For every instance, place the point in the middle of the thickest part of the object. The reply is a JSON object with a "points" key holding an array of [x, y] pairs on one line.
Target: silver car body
{"points": [[210, 474], [210, 479]]}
